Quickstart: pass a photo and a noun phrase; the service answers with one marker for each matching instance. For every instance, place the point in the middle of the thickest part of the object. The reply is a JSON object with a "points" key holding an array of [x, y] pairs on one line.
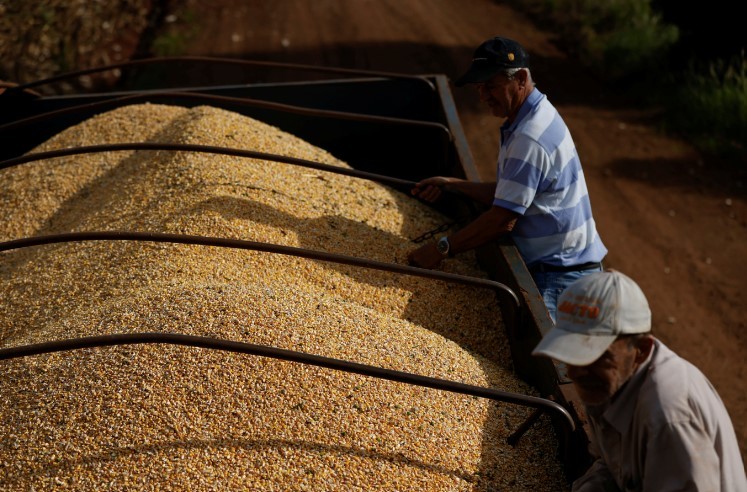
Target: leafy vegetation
{"points": [[181, 28], [710, 104]]}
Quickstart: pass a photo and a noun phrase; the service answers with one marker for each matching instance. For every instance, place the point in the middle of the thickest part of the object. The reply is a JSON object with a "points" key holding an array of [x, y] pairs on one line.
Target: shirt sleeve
{"points": [[521, 174]]}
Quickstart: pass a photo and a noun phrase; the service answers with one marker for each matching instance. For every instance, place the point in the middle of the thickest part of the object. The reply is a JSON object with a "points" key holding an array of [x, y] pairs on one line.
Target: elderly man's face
{"points": [[503, 95], [599, 381]]}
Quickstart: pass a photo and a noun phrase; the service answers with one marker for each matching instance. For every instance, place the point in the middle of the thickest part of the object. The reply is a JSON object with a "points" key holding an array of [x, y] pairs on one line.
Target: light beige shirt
{"points": [[667, 429]]}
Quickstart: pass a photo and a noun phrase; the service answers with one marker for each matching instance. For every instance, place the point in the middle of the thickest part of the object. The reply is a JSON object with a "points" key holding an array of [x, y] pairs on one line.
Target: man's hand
{"points": [[430, 189], [426, 256]]}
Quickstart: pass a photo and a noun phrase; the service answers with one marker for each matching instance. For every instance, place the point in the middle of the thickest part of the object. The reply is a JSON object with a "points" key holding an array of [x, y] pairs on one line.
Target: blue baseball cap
{"points": [[493, 57]]}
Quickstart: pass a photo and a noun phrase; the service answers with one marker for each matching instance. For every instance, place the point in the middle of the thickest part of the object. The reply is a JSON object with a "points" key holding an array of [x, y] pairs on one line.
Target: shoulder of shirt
{"points": [[536, 105], [666, 394]]}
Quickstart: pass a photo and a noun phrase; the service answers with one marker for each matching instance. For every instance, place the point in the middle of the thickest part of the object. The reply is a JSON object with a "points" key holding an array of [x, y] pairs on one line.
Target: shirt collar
{"points": [[528, 105]]}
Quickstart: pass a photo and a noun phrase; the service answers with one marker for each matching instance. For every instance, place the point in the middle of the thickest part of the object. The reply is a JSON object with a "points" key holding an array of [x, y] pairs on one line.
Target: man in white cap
{"points": [[657, 424], [539, 196]]}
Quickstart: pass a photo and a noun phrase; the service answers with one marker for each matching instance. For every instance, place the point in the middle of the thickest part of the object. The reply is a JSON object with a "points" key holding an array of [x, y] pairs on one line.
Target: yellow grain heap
{"points": [[147, 417]]}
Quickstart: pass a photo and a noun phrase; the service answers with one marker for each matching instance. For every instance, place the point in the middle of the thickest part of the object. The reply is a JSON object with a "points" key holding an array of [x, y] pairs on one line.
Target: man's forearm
{"points": [[488, 227], [482, 193]]}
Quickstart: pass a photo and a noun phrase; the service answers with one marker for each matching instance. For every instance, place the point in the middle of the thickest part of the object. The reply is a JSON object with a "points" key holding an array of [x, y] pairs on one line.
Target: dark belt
{"points": [[544, 267]]}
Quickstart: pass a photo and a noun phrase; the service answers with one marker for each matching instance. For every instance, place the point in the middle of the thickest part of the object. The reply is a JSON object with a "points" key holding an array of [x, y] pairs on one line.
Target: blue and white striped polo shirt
{"points": [[540, 177]]}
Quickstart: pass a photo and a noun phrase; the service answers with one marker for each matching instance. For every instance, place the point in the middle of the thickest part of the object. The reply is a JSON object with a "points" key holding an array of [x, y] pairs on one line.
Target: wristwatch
{"points": [[443, 246]]}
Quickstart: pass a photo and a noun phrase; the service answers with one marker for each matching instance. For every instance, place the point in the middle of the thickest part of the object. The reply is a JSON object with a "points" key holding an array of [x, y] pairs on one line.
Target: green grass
{"points": [[710, 104], [174, 39]]}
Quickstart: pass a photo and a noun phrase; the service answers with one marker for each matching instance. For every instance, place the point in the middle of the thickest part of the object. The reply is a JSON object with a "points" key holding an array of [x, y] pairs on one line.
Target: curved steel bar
{"points": [[4, 84], [287, 355], [225, 61], [91, 149], [160, 237], [233, 100]]}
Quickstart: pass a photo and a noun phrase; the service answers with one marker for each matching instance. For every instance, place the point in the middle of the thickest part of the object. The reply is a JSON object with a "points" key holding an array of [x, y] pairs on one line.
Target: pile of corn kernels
{"points": [[164, 417]]}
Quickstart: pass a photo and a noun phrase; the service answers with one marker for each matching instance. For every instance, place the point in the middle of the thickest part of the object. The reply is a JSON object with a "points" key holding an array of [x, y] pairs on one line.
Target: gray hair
{"points": [[510, 72]]}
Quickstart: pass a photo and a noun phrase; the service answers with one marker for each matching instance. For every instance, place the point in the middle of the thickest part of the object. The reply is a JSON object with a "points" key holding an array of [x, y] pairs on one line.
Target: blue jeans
{"points": [[551, 284]]}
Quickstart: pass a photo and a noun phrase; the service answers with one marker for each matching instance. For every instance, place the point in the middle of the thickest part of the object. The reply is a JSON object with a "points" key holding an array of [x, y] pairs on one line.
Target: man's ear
{"points": [[521, 77], [644, 346]]}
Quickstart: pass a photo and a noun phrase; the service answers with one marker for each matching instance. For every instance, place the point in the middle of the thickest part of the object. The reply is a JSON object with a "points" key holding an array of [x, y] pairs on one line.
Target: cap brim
{"points": [[571, 348], [476, 75]]}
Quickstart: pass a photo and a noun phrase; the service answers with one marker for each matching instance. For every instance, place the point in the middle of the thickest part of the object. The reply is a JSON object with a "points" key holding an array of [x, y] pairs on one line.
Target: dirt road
{"points": [[673, 221]]}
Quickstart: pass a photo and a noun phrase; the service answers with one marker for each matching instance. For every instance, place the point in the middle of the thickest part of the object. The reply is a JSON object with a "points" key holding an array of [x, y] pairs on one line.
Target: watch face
{"points": [[443, 246]]}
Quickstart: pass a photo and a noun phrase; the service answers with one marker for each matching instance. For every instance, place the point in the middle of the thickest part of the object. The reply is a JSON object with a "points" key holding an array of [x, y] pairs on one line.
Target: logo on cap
{"points": [[579, 310], [510, 57]]}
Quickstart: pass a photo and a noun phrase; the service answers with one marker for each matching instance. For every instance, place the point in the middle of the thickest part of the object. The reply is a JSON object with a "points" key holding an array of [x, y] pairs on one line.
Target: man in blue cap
{"points": [[539, 197]]}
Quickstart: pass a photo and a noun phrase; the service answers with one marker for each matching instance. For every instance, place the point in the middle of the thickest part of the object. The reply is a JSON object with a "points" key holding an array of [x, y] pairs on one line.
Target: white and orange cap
{"points": [[592, 312]]}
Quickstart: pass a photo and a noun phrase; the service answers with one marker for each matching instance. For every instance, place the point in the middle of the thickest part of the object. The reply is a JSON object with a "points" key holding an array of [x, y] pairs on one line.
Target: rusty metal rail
{"points": [[91, 149], [159, 237], [240, 101], [224, 61], [541, 404]]}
